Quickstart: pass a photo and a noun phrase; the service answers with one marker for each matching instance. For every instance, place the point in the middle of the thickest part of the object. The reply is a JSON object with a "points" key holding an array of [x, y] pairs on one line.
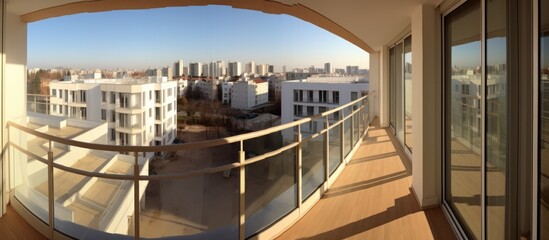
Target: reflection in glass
{"points": [[312, 166], [392, 88], [496, 118], [399, 89], [271, 190], [544, 120], [335, 147], [408, 92], [463, 124]]}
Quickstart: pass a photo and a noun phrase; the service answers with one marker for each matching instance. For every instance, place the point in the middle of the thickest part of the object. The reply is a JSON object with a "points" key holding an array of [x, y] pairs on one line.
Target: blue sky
{"points": [[157, 37]]}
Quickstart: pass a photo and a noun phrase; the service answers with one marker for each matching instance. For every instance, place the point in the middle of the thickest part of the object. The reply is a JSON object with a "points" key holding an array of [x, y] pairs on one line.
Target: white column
{"points": [[426, 98], [383, 95], [13, 81], [373, 95]]}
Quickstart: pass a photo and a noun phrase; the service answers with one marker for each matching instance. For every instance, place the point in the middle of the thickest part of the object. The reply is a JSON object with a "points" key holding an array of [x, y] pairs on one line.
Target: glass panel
{"points": [[204, 207], [271, 190], [28, 172], [408, 92], [544, 121], [399, 91], [89, 206], [496, 118], [356, 130], [270, 142], [463, 133], [312, 157], [334, 147], [392, 88], [347, 136]]}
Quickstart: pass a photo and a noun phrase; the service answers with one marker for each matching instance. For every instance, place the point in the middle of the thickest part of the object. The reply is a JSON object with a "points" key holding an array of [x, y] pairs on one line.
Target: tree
{"points": [[34, 86]]}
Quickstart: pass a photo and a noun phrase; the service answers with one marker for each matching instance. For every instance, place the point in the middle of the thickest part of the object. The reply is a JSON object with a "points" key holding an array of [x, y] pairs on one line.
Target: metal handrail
{"points": [[184, 146], [241, 162]]}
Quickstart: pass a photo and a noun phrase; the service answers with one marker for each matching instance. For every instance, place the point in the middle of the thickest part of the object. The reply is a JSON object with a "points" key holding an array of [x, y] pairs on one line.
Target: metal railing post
{"points": [[342, 136], [298, 169], [327, 150], [136, 205], [51, 206], [242, 196], [352, 127]]}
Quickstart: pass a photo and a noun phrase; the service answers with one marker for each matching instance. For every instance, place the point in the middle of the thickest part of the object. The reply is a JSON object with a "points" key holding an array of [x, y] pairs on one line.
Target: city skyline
{"points": [[140, 39]]}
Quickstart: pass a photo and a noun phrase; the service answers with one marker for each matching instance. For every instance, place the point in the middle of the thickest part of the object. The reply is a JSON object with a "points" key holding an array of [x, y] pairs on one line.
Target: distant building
{"points": [[247, 94], [311, 96], [195, 69], [178, 68], [352, 70], [226, 88], [275, 87], [250, 67], [271, 69], [234, 69], [217, 69], [297, 75], [152, 72], [327, 68], [139, 112], [262, 69], [205, 70], [167, 72]]}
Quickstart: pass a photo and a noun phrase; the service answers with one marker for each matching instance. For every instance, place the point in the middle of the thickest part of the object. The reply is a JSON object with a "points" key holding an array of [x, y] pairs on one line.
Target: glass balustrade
{"points": [[231, 188]]}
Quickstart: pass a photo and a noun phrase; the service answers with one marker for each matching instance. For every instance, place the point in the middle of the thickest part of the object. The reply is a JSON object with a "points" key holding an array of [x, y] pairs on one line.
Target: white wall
{"points": [[15, 53]]}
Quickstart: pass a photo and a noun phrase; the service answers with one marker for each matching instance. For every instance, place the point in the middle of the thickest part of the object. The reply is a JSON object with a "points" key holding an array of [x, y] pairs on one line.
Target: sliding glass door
{"points": [[400, 89], [543, 164], [463, 91], [477, 182]]}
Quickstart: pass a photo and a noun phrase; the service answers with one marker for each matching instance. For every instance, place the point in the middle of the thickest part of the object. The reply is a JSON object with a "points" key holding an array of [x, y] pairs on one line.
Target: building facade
{"points": [[139, 112], [247, 94]]}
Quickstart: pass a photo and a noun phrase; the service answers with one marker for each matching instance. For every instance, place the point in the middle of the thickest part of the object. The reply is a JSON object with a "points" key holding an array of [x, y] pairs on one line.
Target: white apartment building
{"points": [[139, 112], [327, 68], [205, 70], [195, 69], [250, 67], [234, 69], [226, 88], [178, 68], [217, 69], [182, 86], [262, 69], [247, 94], [314, 95]]}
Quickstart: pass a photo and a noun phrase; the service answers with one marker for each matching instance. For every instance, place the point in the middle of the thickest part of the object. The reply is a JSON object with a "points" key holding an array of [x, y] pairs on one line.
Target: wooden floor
{"points": [[13, 226], [372, 199]]}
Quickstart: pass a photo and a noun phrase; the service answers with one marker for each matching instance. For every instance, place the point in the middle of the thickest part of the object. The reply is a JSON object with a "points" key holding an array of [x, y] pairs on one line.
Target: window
{"points": [[298, 110], [103, 114], [103, 96], [82, 96], [60, 93], [113, 134], [113, 116], [322, 109], [335, 97], [323, 96], [158, 113], [310, 110], [311, 93], [170, 106], [54, 92], [354, 96], [113, 97]]}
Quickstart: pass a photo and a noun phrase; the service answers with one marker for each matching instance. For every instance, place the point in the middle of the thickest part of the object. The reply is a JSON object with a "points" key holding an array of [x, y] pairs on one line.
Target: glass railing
{"points": [[228, 188], [38, 103]]}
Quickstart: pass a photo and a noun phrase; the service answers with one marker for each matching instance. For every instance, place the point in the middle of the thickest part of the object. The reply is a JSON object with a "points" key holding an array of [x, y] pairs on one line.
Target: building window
{"points": [[113, 134], [323, 96], [103, 96], [113, 97], [113, 116], [322, 109], [311, 93], [310, 110], [54, 92], [298, 110], [335, 97], [354, 96], [103, 114]]}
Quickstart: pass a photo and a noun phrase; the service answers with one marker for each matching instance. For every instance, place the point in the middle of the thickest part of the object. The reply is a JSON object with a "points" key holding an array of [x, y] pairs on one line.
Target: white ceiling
{"points": [[376, 22]]}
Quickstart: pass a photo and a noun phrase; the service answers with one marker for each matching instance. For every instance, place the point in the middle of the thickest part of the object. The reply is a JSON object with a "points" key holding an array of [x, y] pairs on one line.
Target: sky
{"points": [[139, 39]]}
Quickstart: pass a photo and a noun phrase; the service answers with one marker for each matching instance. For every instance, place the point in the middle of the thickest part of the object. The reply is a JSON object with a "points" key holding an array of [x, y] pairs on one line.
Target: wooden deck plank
{"points": [[14, 227], [372, 199]]}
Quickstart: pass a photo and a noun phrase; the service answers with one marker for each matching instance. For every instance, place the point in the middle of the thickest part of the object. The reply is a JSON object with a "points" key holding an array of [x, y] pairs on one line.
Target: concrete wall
{"points": [[14, 81], [426, 158]]}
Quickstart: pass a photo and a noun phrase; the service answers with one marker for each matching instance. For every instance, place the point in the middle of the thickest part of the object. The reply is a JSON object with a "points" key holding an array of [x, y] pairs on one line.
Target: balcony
{"points": [[245, 186]]}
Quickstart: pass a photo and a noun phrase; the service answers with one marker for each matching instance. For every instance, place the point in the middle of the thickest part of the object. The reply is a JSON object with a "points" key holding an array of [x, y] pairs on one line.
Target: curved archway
{"points": [[267, 6]]}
